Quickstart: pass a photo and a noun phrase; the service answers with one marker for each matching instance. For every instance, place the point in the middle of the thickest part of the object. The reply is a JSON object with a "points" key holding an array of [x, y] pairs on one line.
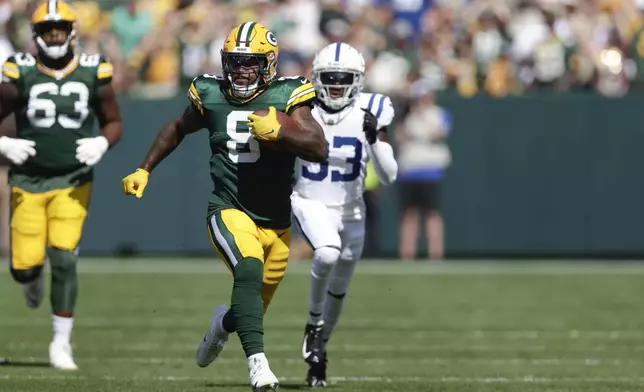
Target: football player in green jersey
{"points": [[249, 213], [56, 98]]}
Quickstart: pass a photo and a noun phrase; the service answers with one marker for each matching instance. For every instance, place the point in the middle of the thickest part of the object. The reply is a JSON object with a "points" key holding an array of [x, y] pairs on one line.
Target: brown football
{"points": [[285, 121]]}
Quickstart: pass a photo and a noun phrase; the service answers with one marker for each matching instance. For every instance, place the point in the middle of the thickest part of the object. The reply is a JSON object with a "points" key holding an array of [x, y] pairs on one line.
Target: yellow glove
{"points": [[264, 128], [135, 183]]}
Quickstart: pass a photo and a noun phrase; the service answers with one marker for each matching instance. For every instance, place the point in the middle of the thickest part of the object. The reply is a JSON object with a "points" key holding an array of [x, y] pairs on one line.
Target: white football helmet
{"points": [[338, 75]]}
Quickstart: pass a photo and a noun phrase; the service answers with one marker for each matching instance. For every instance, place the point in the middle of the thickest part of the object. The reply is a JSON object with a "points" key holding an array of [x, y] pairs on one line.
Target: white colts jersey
{"points": [[339, 182]]}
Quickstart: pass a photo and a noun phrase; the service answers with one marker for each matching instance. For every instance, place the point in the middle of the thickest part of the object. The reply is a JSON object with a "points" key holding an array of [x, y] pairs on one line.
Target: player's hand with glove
{"points": [[17, 150], [266, 127], [90, 150], [135, 183], [370, 126]]}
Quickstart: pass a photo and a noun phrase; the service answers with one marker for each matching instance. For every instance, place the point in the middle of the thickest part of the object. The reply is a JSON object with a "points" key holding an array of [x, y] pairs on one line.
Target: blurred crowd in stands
{"points": [[494, 47], [414, 49]]}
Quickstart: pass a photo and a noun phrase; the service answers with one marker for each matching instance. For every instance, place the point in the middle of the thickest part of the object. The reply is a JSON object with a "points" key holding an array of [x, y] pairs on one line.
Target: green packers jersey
{"points": [[246, 175], [56, 108]]}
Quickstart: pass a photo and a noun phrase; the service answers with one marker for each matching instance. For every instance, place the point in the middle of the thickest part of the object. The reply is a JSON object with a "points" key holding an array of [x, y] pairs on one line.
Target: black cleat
{"points": [[316, 376], [312, 347]]}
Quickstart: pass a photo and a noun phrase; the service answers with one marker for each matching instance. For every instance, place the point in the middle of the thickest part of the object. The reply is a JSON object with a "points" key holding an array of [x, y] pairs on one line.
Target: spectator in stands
{"points": [[130, 25], [423, 156], [465, 46], [551, 59]]}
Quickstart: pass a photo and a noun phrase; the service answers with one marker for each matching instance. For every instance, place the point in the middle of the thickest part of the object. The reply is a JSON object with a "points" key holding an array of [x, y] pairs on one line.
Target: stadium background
{"points": [[546, 149]]}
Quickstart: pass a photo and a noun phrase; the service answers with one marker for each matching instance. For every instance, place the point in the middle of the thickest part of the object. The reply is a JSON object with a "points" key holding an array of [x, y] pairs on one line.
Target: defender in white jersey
{"points": [[327, 199]]}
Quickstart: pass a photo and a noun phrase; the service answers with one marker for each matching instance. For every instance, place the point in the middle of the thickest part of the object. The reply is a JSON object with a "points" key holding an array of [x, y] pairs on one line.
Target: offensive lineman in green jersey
{"points": [[249, 213], [52, 157]]}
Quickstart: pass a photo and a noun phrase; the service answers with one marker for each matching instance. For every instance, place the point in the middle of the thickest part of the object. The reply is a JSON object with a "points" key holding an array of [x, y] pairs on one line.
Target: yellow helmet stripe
{"points": [[244, 34], [52, 7]]}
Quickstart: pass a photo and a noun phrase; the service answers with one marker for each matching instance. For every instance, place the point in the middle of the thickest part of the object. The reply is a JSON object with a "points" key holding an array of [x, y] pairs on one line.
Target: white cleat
{"points": [[262, 378], [60, 356], [34, 291], [214, 340]]}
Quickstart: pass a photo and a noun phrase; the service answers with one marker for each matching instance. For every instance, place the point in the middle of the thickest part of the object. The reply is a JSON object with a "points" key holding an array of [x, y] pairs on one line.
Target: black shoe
{"points": [[316, 377], [312, 345]]}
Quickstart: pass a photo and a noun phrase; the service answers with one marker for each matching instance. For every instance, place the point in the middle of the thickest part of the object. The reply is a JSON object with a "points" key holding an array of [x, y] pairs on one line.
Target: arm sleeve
{"points": [[384, 163]]}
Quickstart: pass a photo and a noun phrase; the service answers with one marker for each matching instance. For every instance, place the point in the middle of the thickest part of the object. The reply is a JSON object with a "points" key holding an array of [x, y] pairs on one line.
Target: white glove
{"points": [[17, 150], [90, 150]]}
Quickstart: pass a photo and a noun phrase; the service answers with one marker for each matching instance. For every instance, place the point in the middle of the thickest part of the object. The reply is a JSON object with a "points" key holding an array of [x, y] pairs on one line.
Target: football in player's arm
{"points": [[55, 97], [307, 143], [327, 201], [249, 212]]}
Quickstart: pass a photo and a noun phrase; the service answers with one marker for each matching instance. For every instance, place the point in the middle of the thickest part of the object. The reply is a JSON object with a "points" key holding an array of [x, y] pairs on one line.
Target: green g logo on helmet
{"points": [[270, 37]]}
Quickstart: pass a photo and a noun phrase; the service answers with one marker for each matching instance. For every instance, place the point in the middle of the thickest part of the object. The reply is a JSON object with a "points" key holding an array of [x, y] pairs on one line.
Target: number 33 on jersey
{"points": [[340, 180], [58, 109]]}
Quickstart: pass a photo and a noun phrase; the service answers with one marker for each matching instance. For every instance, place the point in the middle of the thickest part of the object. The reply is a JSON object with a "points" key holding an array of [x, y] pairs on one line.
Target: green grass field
{"points": [[456, 326]]}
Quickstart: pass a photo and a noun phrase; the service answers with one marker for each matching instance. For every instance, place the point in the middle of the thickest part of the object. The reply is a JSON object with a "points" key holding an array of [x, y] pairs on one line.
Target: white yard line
{"points": [[370, 348], [363, 379], [369, 361], [179, 347]]}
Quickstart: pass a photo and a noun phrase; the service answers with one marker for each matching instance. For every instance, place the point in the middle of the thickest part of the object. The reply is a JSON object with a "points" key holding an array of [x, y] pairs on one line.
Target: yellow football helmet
{"points": [[249, 59], [54, 14]]}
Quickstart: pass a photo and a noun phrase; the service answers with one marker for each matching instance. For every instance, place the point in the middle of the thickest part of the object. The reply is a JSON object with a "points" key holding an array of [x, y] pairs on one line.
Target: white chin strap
{"points": [[243, 91], [54, 52], [336, 103]]}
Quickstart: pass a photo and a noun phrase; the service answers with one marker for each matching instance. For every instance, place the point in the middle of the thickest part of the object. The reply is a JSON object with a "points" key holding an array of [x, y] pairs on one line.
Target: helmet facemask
{"points": [[50, 32], [336, 88], [246, 73]]}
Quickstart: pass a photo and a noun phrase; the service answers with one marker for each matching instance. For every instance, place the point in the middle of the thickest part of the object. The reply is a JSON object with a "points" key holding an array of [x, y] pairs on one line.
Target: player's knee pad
{"points": [[249, 272], [324, 259], [26, 276], [63, 262], [326, 255]]}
